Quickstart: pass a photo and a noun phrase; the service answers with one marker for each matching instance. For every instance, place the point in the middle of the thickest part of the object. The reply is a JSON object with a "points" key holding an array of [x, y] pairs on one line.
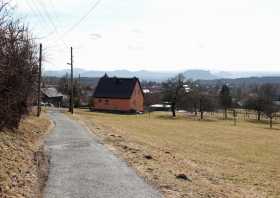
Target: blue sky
{"points": [[157, 34]]}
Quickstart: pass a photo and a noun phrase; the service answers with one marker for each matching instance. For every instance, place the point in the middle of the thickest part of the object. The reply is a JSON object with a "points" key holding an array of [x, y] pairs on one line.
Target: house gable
{"points": [[118, 94], [119, 88]]}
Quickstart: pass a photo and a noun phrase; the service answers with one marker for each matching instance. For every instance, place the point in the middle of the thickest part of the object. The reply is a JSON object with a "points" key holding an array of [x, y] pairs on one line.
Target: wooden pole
{"points": [[72, 84], [68, 90], [79, 91], [234, 116], [39, 83]]}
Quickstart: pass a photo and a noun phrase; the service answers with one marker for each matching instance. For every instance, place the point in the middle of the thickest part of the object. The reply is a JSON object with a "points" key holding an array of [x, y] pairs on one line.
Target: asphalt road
{"points": [[80, 167]]}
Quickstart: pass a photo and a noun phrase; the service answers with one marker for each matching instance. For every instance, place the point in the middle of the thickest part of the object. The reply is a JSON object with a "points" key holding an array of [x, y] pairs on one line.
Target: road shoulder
{"points": [[23, 162]]}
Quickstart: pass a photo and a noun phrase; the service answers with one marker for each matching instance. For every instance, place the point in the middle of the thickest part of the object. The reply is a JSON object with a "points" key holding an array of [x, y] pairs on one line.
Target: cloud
{"points": [[137, 31], [95, 36], [135, 47], [164, 35]]}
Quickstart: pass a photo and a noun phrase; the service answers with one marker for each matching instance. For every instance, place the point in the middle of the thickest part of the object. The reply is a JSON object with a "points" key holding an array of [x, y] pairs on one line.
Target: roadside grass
{"points": [[218, 158], [19, 175]]}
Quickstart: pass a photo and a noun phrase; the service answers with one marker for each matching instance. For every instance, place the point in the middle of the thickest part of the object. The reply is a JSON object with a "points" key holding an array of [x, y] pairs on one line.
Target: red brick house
{"points": [[118, 94]]}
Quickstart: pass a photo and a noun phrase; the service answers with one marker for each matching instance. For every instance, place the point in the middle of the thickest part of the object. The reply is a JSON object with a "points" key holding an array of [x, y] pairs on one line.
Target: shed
{"points": [[52, 96]]}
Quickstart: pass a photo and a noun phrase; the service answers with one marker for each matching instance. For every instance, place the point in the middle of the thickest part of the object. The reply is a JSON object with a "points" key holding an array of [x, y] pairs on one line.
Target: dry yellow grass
{"points": [[19, 176], [221, 160]]}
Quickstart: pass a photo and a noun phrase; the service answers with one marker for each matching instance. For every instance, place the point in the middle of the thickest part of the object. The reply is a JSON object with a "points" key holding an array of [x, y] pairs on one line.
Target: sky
{"points": [[158, 35]]}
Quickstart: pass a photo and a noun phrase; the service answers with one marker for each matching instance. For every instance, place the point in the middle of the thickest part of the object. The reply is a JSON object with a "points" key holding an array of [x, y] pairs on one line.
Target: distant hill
{"points": [[195, 74], [241, 82], [246, 74], [199, 75], [142, 74]]}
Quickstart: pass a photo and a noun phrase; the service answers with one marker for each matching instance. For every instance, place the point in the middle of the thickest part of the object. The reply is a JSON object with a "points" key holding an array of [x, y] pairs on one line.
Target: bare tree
{"points": [[257, 104], [206, 104], [173, 90], [192, 99], [270, 109], [151, 98], [18, 69], [225, 99], [266, 93]]}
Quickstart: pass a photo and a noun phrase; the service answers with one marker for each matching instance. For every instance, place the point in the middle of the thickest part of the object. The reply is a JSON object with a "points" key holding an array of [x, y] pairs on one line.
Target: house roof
{"points": [[51, 92], [121, 88]]}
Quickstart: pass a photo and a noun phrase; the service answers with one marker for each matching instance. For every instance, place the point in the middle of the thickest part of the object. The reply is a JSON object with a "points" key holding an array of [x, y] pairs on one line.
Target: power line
{"points": [[37, 13], [48, 16], [42, 20], [46, 36], [55, 11], [45, 20], [46, 13], [83, 17]]}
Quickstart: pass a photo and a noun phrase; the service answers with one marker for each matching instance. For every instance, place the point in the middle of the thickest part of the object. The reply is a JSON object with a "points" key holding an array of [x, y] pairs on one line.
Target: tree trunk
{"points": [[195, 109], [173, 109], [225, 113], [234, 116], [259, 115], [270, 122], [173, 113], [201, 115]]}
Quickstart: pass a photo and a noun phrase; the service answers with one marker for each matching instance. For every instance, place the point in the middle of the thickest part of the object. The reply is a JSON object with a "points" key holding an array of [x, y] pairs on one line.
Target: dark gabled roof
{"points": [[121, 88], [51, 92]]}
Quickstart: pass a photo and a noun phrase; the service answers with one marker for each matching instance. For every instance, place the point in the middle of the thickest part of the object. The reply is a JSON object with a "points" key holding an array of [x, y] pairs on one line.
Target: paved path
{"points": [[80, 167]]}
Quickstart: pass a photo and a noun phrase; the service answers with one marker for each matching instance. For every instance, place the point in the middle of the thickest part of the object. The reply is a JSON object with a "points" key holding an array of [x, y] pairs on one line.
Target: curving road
{"points": [[80, 167]]}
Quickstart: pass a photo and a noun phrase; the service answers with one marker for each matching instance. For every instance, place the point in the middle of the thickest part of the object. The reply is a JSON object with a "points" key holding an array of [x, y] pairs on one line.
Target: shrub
{"points": [[18, 68]]}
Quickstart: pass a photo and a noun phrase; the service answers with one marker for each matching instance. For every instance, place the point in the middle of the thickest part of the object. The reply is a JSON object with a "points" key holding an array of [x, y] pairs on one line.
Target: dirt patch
{"points": [[23, 161]]}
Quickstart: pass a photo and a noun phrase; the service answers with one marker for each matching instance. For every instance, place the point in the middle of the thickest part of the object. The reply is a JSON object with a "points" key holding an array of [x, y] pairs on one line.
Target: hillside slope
{"points": [[22, 160]]}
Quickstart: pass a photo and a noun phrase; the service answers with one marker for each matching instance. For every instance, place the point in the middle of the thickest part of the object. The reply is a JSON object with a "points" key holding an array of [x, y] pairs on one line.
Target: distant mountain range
{"points": [[160, 76]]}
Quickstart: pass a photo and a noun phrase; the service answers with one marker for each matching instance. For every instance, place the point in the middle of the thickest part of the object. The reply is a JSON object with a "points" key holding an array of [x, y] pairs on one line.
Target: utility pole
{"points": [[69, 87], [79, 90], [39, 83], [72, 84], [67, 84]]}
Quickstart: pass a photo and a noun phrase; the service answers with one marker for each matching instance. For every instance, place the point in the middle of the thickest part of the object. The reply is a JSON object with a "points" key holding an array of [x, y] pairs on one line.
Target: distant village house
{"points": [[118, 94], [52, 96]]}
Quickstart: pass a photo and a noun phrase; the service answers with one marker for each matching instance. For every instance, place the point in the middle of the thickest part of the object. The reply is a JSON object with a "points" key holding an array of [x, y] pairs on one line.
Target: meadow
{"points": [[188, 157]]}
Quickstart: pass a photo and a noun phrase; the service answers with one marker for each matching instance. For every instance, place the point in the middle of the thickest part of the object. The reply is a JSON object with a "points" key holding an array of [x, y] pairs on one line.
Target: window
{"points": [[99, 100], [106, 101]]}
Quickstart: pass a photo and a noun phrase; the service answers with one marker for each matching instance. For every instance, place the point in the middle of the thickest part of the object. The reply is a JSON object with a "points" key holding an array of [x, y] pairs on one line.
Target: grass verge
{"points": [[23, 167]]}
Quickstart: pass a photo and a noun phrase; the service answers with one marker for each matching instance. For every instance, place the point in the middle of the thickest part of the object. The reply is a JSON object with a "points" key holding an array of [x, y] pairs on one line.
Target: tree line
{"points": [[183, 94], [82, 89]]}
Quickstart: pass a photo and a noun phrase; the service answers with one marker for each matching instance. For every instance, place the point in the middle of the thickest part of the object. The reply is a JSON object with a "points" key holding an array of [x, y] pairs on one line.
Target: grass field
{"points": [[219, 159]]}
